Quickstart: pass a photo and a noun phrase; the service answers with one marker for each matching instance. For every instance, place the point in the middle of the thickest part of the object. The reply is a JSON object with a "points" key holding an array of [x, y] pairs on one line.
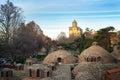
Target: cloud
{"points": [[66, 6]]}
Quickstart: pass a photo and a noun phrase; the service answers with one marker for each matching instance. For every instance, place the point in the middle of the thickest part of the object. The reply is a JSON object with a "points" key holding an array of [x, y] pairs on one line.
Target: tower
{"points": [[74, 30], [74, 24]]}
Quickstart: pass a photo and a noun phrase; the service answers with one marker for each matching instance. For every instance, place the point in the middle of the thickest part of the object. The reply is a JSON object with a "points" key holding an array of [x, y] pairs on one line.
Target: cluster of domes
{"points": [[94, 53], [90, 61]]}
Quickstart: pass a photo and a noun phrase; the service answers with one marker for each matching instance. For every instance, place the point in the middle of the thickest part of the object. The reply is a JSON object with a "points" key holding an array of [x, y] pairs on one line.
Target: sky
{"points": [[55, 16]]}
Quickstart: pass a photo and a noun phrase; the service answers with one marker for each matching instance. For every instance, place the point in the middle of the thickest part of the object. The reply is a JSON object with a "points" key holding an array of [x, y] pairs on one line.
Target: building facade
{"points": [[74, 30], [113, 38]]}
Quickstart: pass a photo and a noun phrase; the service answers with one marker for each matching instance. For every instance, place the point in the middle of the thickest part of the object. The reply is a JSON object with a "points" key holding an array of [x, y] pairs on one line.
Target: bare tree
{"points": [[10, 18], [29, 38]]}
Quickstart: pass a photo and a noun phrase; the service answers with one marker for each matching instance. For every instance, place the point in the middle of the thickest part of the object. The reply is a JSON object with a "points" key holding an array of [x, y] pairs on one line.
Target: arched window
{"points": [[118, 47], [30, 63], [27, 63], [30, 72], [7, 74], [38, 73], [87, 59], [53, 68], [11, 73], [99, 58], [94, 59], [48, 74], [59, 60], [2, 74], [91, 59]]}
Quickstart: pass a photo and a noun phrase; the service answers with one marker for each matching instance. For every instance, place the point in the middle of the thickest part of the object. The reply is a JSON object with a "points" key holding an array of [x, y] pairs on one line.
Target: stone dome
{"points": [[94, 68], [95, 53], [87, 66], [83, 66], [65, 56], [84, 76]]}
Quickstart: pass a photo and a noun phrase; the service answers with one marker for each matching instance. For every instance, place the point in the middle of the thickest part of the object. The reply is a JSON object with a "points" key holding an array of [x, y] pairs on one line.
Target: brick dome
{"points": [[95, 53], [65, 56], [84, 76]]}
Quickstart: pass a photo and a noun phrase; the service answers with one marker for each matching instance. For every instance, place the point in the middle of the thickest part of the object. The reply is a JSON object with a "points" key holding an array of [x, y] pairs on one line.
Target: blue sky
{"points": [[54, 16]]}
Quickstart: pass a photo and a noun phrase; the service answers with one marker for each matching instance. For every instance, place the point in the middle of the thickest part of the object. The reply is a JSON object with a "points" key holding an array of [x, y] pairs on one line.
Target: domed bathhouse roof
{"points": [[84, 76], [81, 67], [96, 53], [94, 68], [62, 56]]}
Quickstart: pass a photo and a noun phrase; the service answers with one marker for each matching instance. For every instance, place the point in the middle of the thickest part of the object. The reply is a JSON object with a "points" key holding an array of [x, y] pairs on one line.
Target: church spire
{"points": [[74, 23]]}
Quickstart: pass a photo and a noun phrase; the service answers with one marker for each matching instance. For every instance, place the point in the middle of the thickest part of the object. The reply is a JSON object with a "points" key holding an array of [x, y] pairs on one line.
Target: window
{"points": [[91, 59], [98, 58], [7, 74], [30, 72], [87, 59], [1, 74], [53, 68], [11, 73], [59, 59], [118, 47], [94, 59], [48, 74], [30, 63], [37, 72]]}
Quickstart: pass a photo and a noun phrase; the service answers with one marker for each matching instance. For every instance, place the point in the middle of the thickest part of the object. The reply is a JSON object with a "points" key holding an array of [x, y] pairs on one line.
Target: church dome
{"points": [[65, 56], [95, 53]]}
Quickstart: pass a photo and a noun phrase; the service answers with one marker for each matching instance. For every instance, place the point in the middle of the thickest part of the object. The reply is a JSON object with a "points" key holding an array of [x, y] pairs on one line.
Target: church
{"points": [[75, 31]]}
